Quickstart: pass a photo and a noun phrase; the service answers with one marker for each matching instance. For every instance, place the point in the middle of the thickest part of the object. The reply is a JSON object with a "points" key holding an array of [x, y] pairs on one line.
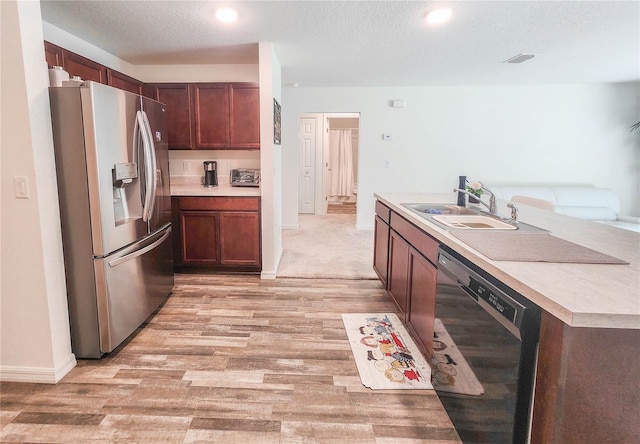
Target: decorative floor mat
{"points": [[386, 356], [451, 373]]}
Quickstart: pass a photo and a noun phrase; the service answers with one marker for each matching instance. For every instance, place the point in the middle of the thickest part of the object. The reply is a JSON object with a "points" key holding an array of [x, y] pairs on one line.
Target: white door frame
{"points": [[322, 156]]}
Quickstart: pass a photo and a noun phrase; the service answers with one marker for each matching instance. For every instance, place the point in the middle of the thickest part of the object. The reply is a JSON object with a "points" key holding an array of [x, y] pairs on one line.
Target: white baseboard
{"points": [[268, 275], [364, 227], [271, 275], [291, 227], [43, 375]]}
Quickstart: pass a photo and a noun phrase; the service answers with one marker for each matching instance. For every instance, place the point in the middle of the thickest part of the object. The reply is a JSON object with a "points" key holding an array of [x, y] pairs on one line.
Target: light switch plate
{"points": [[21, 186]]}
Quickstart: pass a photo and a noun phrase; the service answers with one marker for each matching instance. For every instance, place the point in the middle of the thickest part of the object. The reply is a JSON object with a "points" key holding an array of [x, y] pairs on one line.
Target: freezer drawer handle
{"points": [[135, 254]]}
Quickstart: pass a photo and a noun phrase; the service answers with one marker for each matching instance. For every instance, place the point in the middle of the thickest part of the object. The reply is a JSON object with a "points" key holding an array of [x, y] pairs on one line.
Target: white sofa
{"points": [[584, 202]]}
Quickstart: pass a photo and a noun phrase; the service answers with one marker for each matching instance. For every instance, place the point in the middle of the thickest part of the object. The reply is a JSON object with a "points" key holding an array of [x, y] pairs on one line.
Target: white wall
{"points": [[35, 343], [271, 162], [564, 134]]}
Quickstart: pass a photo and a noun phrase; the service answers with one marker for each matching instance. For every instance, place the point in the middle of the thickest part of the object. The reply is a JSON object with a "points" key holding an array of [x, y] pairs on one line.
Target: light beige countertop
{"points": [[192, 186], [581, 295]]}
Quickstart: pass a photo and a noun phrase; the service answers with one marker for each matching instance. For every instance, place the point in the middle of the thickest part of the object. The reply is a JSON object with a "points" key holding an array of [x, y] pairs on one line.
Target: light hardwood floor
{"points": [[230, 359], [341, 208]]}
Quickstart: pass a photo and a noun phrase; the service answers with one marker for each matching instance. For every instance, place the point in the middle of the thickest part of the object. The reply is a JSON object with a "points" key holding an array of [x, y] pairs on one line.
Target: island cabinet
{"points": [[211, 116], [217, 233], [381, 242], [587, 388], [412, 278]]}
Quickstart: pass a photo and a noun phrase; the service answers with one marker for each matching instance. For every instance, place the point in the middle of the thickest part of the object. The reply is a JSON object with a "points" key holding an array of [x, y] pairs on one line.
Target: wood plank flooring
{"points": [[230, 359], [341, 208]]}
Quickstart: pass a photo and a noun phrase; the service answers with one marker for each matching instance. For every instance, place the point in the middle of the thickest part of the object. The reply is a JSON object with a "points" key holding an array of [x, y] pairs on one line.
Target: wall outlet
{"points": [[387, 164], [186, 166]]}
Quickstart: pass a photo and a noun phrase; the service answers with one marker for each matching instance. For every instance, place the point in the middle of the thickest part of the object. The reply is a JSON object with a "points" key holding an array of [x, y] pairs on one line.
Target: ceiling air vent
{"points": [[519, 58]]}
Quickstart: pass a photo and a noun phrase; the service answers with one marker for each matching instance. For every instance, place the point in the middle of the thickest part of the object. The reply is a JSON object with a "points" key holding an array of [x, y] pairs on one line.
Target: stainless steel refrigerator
{"points": [[112, 165]]}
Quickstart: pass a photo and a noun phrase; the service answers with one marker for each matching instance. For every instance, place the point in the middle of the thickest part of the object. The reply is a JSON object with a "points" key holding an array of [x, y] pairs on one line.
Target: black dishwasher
{"points": [[485, 353]]}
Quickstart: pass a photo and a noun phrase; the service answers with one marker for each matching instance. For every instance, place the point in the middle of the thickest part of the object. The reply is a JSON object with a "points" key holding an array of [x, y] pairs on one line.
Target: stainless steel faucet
{"points": [[514, 212], [492, 207]]}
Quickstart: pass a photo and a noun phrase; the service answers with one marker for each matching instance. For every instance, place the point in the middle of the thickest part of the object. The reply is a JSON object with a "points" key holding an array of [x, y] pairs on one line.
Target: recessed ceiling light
{"points": [[439, 16], [227, 15]]}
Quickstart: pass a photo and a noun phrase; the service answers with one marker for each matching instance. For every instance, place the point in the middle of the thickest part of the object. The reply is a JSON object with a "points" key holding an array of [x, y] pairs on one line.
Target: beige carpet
{"points": [[327, 246]]}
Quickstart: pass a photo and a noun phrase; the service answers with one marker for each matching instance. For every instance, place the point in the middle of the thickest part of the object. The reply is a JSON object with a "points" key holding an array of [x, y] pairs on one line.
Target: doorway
{"points": [[328, 168]]}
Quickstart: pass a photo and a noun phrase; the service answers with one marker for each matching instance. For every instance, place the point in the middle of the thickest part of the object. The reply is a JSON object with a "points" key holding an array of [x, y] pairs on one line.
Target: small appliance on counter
{"points": [[245, 177], [210, 173]]}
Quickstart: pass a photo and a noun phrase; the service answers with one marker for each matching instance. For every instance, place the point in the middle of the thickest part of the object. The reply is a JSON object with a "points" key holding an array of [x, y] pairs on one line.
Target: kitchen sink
{"points": [[428, 209], [453, 217], [473, 222]]}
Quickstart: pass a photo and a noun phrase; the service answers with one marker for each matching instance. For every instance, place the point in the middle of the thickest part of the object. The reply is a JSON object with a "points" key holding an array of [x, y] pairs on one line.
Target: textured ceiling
{"points": [[374, 43]]}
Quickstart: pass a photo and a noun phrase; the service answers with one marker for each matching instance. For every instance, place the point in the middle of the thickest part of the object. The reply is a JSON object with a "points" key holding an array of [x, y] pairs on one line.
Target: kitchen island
{"points": [[589, 354]]}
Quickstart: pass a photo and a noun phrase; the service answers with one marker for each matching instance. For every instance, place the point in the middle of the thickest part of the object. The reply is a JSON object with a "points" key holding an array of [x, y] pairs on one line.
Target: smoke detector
{"points": [[519, 58]]}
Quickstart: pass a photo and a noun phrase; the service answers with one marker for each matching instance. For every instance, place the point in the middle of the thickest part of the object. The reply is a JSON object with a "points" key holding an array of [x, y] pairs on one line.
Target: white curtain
{"points": [[340, 162]]}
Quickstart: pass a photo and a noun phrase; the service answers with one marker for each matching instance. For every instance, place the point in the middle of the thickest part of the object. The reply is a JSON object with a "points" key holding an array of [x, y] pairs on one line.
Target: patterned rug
{"points": [[386, 356], [451, 373]]}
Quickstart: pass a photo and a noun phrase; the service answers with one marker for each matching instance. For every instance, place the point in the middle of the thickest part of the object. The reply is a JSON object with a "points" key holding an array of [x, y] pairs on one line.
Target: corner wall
{"points": [[270, 161], [35, 343]]}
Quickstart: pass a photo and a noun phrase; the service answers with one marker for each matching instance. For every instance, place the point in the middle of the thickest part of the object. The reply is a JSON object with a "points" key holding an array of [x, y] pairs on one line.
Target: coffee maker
{"points": [[210, 173]]}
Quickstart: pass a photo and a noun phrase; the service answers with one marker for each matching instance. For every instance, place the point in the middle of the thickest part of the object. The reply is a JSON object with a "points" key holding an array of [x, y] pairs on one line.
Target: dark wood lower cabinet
{"points": [[238, 246], [381, 250], [217, 233], [423, 277], [412, 277], [398, 284], [199, 236]]}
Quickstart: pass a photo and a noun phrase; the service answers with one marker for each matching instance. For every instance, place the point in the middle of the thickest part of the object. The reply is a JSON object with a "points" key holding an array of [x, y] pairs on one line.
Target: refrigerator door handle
{"points": [[152, 162], [149, 180], [140, 252]]}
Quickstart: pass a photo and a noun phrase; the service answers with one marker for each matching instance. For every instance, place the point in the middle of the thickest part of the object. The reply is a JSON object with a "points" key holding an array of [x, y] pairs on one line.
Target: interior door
{"points": [[308, 137]]}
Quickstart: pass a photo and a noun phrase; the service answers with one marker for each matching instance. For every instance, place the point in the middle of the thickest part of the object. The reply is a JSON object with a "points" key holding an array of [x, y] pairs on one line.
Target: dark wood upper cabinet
{"points": [[123, 81], [84, 68], [211, 113], [177, 97], [204, 116], [53, 54], [244, 115]]}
